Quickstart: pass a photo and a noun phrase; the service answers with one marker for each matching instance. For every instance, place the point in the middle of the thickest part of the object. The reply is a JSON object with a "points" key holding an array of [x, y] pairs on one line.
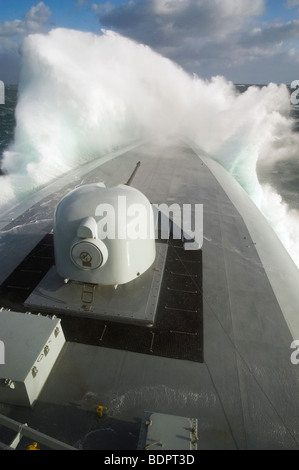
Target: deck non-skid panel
{"points": [[178, 328], [21, 282]]}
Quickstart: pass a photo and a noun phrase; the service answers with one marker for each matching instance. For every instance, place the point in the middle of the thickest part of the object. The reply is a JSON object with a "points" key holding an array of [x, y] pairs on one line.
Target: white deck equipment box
{"points": [[32, 344]]}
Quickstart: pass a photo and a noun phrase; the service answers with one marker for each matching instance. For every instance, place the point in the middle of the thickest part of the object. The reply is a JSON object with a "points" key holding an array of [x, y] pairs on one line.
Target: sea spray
{"points": [[81, 95]]}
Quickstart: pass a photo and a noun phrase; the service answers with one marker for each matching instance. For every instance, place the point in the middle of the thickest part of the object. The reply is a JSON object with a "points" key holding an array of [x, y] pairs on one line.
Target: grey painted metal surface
{"points": [[167, 432], [280, 269], [32, 346], [134, 302], [245, 394]]}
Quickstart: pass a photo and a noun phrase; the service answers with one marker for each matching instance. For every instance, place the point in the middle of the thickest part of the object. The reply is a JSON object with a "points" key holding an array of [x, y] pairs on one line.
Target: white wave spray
{"points": [[81, 95]]}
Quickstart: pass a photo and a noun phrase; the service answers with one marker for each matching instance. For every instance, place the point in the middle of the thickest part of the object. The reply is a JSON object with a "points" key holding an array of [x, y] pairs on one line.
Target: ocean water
{"points": [[82, 95]]}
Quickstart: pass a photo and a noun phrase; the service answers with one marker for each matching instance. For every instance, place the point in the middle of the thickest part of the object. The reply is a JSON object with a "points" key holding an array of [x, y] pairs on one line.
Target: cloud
{"points": [[165, 22], [36, 20], [179, 28], [12, 28], [82, 3], [204, 36], [273, 33], [292, 3], [37, 17]]}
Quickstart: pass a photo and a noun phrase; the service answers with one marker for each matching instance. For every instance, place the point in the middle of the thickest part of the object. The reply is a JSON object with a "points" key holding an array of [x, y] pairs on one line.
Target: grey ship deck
{"points": [[231, 369]]}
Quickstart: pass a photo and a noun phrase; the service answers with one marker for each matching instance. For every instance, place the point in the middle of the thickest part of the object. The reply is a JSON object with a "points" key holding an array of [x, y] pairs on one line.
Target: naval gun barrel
{"points": [[128, 183]]}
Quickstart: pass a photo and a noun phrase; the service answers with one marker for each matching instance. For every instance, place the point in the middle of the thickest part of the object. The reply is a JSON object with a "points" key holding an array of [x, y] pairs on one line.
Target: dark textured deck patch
{"points": [[178, 329]]}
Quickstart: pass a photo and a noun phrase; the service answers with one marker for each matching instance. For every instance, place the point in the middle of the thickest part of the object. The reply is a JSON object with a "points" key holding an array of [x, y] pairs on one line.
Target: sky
{"points": [[246, 41]]}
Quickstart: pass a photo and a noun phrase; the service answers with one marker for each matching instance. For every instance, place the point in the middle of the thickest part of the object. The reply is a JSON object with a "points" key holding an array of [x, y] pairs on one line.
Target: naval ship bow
{"points": [[174, 342]]}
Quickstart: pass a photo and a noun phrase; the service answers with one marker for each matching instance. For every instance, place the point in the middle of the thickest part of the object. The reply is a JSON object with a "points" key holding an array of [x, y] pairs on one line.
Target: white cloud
{"points": [[34, 21], [12, 28], [39, 13], [179, 18], [102, 8], [165, 7], [205, 36]]}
